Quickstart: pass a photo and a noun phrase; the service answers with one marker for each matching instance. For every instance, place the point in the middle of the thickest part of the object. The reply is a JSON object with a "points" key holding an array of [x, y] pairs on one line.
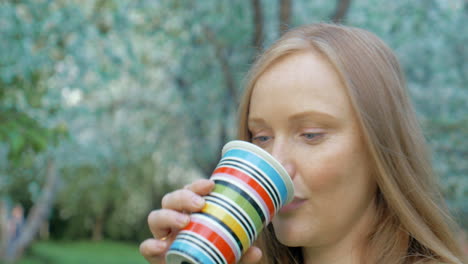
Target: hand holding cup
{"points": [[246, 189], [177, 205]]}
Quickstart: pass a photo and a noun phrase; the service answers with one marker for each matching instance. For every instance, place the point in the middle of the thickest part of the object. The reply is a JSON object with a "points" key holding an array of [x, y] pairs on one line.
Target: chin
{"points": [[286, 234], [288, 240]]}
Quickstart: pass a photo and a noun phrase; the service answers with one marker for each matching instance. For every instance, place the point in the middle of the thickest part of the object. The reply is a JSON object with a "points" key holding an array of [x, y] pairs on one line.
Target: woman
{"points": [[329, 102]]}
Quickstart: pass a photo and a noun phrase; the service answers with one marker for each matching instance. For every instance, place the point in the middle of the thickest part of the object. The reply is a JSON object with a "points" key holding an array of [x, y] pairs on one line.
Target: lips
{"points": [[296, 203]]}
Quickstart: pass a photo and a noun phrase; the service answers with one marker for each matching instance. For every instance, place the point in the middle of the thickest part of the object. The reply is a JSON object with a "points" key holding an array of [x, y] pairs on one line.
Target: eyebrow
{"points": [[313, 115]]}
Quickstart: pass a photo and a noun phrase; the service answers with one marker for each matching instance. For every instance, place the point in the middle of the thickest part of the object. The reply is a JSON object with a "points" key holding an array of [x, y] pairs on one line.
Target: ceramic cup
{"points": [[250, 187]]}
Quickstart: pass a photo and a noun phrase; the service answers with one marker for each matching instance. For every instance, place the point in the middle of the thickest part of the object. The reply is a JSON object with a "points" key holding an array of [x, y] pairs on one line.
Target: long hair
{"points": [[412, 225]]}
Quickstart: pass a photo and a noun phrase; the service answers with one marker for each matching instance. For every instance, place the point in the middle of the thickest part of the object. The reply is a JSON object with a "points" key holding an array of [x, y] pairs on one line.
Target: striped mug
{"points": [[250, 187]]}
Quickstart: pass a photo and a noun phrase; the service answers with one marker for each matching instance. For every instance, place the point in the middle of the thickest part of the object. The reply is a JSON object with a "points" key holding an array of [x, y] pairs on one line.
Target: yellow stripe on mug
{"points": [[227, 219]]}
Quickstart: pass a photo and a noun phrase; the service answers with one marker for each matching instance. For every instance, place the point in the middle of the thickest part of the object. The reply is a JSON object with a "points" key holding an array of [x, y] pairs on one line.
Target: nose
{"points": [[282, 152]]}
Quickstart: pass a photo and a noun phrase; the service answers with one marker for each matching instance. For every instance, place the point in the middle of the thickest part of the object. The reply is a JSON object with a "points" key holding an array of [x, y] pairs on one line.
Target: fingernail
{"points": [[183, 220], [211, 182], [198, 201], [161, 244]]}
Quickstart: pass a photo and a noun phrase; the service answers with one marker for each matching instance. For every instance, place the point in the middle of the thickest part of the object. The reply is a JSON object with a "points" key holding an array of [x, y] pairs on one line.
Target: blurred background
{"points": [[105, 106]]}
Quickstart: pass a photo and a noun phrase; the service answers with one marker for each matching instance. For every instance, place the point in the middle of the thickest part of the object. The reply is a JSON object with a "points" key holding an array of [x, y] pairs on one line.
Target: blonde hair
{"points": [[413, 225]]}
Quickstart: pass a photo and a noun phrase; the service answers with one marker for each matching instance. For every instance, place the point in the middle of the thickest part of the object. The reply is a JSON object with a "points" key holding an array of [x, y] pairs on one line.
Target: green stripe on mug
{"points": [[242, 202]]}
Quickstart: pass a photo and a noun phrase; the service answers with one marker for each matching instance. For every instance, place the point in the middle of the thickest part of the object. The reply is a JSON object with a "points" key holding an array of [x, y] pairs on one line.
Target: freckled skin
{"points": [[301, 114]]}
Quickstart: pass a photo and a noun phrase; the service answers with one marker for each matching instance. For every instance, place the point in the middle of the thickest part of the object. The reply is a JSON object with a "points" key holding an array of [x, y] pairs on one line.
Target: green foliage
{"points": [[55, 252], [23, 134], [134, 98], [25, 64], [428, 38]]}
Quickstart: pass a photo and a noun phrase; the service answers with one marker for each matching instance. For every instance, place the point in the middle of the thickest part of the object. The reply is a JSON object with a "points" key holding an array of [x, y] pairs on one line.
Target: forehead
{"points": [[303, 81]]}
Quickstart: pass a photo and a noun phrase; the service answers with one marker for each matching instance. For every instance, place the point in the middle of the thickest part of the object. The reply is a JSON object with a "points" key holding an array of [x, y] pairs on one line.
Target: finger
{"points": [[201, 187], [164, 221], [251, 256], [183, 200], [153, 250]]}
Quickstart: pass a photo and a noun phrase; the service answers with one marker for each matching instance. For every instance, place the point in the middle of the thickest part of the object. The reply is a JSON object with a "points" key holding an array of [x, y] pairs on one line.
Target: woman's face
{"points": [[301, 114]]}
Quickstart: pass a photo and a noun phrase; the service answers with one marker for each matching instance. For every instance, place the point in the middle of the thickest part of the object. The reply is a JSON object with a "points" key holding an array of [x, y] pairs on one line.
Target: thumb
{"points": [[251, 256]]}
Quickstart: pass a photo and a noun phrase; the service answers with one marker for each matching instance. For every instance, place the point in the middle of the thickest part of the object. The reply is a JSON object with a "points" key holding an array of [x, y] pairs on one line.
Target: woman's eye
{"points": [[260, 139], [312, 136]]}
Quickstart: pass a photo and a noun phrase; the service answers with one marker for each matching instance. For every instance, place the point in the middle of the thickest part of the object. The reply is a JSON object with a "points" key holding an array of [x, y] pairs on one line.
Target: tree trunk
{"points": [[342, 7], [36, 217], [44, 232], [285, 9], [230, 95], [257, 40], [4, 215], [223, 59], [98, 228]]}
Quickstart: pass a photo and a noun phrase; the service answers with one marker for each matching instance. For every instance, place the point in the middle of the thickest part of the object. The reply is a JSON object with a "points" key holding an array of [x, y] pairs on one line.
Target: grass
{"points": [[83, 252]]}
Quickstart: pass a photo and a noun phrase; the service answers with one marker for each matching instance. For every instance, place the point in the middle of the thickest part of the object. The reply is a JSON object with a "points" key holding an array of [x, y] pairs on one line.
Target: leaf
{"points": [[16, 143]]}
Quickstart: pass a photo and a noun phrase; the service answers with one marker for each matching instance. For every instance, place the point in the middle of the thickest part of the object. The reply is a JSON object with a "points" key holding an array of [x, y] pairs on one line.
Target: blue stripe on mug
{"points": [[263, 165], [193, 251], [208, 247]]}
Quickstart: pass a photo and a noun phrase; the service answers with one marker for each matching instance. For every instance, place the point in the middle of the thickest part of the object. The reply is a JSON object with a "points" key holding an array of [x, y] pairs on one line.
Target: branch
{"points": [[224, 62], [4, 235], [38, 213], [231, 95], [284, 15], [342, 8], [258, 23]]}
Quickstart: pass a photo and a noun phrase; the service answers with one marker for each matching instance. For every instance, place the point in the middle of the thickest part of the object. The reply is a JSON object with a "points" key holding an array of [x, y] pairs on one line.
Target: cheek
{"points": [[323, 171], [334, 165], [321, 176]]}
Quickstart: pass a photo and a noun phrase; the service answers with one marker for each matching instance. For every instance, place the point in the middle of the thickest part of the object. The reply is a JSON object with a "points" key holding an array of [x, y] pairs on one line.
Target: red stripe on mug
{"points": [[214, 238], [252, 183]]}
